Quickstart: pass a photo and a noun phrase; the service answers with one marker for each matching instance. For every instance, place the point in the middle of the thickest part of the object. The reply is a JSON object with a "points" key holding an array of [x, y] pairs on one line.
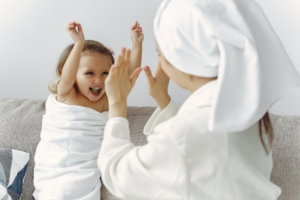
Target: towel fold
{"points": [[233, 41], [66, 157]]}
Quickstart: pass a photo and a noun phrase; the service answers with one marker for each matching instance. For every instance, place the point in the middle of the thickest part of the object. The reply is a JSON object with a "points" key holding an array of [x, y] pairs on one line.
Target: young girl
{"points": [[228, 56], [76, 114]]}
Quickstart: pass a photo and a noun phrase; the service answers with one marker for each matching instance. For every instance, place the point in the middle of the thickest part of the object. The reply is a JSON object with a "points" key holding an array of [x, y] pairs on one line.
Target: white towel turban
{"points": [[231, 39]]}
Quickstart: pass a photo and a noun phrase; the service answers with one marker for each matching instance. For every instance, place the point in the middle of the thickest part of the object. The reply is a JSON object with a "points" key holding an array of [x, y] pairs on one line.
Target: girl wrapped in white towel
{"points": [[76, 114]]}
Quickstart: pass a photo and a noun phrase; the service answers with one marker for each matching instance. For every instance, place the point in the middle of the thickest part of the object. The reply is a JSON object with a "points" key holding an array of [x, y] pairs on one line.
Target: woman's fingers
{"points": [[127, 60], [135, 75], [118, 83], [112, 70], [149, 75], [123, 60], [120, 58]]}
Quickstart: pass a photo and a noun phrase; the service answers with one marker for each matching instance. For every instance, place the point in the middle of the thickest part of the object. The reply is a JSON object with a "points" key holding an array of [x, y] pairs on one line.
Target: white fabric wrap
{"points": [[231, 39], [66, 157]]}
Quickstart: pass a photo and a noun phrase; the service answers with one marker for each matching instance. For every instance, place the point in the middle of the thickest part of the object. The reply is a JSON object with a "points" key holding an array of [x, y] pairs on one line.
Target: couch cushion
{"points": [[286, 155], [21, 121], [20, 126], [13, 167]]}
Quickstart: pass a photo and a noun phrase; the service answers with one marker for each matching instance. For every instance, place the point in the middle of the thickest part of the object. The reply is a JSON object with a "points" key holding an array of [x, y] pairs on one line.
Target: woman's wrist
{"points": [[163, 101], [117, 109]]}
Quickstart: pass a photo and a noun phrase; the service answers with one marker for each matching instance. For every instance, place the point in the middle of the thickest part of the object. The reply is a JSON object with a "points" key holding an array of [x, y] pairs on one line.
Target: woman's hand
{"points": [[118, 84], [158, 86], [75, 31]]}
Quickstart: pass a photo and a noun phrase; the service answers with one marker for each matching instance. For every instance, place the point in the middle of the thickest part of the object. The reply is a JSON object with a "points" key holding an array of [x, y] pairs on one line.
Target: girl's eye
{"points": [[90, 73], [105, 73]]}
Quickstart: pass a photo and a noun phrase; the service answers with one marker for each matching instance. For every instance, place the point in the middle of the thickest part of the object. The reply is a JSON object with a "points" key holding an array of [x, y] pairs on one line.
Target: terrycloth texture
{"points": [[21, 121], [66, 157], [13, 167], [137, 117], [231, 39], [183, 160], [286, 156], [20, 128]]}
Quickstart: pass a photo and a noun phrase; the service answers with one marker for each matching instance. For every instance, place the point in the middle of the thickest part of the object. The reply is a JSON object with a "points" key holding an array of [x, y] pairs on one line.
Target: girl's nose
{"points": [[99, 81]]}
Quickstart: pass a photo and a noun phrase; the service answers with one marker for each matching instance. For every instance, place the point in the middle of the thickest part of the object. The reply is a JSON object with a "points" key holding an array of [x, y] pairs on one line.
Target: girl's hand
{"points": [[118, 84], [136, 34], [75, 31], [158, 86]]}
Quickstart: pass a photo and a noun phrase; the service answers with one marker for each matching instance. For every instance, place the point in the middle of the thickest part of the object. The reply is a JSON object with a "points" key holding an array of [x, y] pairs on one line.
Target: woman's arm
{"points": [[156, 170], [139, 172], [158, 89], [118, 84], [158, 86], [160, 116], [70, 68]]}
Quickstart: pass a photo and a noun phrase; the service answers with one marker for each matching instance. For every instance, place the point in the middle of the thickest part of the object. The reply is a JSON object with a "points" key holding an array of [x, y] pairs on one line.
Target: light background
{"points": [[33, 35]]}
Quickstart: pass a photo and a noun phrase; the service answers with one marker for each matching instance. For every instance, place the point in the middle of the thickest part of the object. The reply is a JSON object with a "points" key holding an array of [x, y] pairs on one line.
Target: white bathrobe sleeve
{"points": [[160, 116], [131, 172]]}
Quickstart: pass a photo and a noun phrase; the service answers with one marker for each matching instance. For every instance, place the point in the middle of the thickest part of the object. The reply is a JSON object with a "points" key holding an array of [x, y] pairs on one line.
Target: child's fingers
{"points": [[72, 23], [79, 27], [70, 26], [138, 30], [134, 26], [149, 75], [70, 29]]}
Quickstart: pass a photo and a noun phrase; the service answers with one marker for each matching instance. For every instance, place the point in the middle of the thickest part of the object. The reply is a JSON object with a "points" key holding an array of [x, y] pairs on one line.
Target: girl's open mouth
{"points": [[95, 90]]}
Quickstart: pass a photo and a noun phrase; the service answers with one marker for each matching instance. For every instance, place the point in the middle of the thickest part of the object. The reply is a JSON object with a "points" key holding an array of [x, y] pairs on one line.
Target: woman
{"points": [[228, 56]]}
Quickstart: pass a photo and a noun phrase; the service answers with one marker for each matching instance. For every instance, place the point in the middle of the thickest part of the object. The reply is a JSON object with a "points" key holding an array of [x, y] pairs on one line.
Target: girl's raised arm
{"points": [[70, 68], [137, 38]]}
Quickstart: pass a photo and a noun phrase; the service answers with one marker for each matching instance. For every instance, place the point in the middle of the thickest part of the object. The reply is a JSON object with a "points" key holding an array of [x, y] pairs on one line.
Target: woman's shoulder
{"points": [[197, 116], [189, 123]]}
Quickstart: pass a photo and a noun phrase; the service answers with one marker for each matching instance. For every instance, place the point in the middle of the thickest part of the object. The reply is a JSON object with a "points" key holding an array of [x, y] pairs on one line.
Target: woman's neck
{"points": [[195, 82]]}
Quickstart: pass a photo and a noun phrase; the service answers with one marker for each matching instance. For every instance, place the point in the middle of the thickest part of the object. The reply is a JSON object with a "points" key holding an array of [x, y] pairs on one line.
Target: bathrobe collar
{"points": [[202, 97]]}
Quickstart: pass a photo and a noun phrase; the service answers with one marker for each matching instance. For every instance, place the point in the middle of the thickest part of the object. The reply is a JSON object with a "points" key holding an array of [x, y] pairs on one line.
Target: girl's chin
{"points": [[96, 97]]}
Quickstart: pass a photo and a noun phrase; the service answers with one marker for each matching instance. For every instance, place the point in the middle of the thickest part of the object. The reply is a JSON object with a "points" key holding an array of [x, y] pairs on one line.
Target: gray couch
{"points": [[21, 121]]}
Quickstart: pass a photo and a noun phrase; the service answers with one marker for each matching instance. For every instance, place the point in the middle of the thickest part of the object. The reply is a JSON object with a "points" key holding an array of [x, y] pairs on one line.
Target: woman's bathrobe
{"points": [[183, 160], [66, 157]]}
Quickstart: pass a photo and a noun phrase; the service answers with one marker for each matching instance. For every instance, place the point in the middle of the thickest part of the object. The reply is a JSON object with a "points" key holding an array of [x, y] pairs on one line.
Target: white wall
{"points": [[32, 36]]}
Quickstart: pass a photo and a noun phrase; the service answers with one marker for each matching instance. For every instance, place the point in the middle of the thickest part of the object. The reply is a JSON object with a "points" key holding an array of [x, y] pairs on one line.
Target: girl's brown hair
{"points": [[265, 127], [89, 46]]}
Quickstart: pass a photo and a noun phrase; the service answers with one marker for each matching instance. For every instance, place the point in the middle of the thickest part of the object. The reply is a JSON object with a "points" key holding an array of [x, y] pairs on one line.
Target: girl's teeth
{"points": [[95, 90]]}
